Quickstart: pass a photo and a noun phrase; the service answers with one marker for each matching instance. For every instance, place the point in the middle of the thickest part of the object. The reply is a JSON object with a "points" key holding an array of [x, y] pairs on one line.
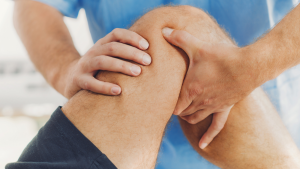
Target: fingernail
{"points": [[167, 31], [144, 44], [136, 70], [146, 59], [116, 90], [203, 145]]}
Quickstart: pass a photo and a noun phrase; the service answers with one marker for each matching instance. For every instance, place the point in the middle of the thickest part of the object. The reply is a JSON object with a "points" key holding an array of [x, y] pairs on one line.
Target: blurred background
{"points": [[26, 100]]}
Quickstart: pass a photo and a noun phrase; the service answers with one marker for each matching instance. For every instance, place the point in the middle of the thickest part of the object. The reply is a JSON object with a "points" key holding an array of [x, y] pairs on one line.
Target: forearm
{"points": [[278, 50], [47, 40]]}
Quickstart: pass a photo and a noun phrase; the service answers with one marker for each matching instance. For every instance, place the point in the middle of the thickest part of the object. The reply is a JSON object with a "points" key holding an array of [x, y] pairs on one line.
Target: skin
{"points": [[60, 58], [253, 137], [52, 51], [128, 128], [221, 74]]}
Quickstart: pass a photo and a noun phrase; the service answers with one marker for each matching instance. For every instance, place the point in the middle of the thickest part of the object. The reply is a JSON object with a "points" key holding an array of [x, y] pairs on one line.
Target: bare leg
{"points": [[253, 137], [129, 128]]}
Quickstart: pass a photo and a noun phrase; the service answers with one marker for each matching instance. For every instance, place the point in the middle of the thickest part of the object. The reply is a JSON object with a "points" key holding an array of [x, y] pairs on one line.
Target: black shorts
{"points": [[60, 145]]}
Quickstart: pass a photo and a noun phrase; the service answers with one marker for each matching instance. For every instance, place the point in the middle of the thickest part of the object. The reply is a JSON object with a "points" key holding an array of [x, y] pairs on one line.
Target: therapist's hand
{"points": [[218, 77], [104, 55]]}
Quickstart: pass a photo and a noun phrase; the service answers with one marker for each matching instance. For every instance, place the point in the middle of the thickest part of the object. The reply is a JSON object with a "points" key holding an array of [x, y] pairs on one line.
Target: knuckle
{"points": [[136, 55], [99, 62], [82, 65], [111, 47], [86, 86], [116, 32], [206, 101], [119, 65], [91, 52], [195, 92], [133, 37], [123, 65]]}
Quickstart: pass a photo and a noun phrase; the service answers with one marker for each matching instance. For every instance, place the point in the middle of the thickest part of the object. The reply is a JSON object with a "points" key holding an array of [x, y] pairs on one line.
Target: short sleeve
{"points": [[69, 8]]}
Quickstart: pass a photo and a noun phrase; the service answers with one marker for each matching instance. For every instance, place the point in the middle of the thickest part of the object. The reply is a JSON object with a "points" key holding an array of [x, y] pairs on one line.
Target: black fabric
{"points": [[60, 145]]}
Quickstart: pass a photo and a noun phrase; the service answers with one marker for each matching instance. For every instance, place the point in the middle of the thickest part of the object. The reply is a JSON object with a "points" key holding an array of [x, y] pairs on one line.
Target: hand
{"points": [[219, 75], [102, 56]]}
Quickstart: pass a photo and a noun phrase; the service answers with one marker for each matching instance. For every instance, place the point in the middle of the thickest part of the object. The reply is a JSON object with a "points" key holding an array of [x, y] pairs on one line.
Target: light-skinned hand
{"points": [[217, 78], [104, 55]]}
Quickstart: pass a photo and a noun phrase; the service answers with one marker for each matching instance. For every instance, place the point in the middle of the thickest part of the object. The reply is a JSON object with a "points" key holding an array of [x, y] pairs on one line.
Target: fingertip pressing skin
{"points": [[176, 111], [167, 31], [182, 104], [116, 90], [144, 44], [136, 70], [146, 59], [202, 145]]}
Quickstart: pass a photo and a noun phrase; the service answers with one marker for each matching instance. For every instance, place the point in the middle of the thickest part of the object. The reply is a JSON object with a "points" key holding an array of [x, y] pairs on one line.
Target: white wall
{"points": [[18, 85], [11, 48], [26, 100]]}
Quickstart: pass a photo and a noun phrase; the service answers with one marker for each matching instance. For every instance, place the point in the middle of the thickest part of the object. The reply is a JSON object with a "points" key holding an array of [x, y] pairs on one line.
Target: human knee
{"points": [[188, 18], [165, 56]]}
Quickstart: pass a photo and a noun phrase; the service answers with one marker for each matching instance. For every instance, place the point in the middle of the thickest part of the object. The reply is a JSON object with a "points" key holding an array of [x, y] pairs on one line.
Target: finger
{"points": [[197, 116], [196, 105], [88, 82], [187, 94], [184, 100], [218, 122], [124, 51], [125, 36], [183, 40], [113, 64]]}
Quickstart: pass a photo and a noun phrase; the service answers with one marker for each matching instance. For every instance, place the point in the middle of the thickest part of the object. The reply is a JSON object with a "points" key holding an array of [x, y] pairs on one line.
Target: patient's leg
{"points": [[128, 128], [253, 137]]}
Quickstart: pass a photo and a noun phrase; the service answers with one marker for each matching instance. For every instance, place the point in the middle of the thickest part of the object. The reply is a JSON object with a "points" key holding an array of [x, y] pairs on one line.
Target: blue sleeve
{"points": [[68, 8]]}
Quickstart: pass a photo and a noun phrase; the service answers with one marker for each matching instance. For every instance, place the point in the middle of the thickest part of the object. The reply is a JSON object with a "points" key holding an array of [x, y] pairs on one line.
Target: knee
{"points": [[165, 56], [188, 18], [177, 17]]}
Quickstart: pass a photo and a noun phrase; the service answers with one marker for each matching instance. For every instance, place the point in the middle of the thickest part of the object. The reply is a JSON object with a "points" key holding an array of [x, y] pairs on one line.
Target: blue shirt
{"points": [[244, 20]]}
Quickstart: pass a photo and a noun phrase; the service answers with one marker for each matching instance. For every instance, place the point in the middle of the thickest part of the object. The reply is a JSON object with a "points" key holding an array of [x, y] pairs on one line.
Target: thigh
{"points": [[253, 137]]}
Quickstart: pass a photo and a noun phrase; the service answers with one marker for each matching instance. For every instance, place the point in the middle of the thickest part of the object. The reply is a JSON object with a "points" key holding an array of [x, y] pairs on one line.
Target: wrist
{"points": [[251, 69], [59, 76], [260, 59]]}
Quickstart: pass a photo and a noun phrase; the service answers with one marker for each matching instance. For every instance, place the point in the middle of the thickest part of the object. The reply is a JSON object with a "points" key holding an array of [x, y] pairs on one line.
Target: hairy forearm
{"points": [[46, 38], [278, 50]]}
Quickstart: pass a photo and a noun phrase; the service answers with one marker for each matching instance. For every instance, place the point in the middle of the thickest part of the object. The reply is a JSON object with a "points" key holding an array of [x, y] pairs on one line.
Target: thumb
{"points": [[182, 39]]}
